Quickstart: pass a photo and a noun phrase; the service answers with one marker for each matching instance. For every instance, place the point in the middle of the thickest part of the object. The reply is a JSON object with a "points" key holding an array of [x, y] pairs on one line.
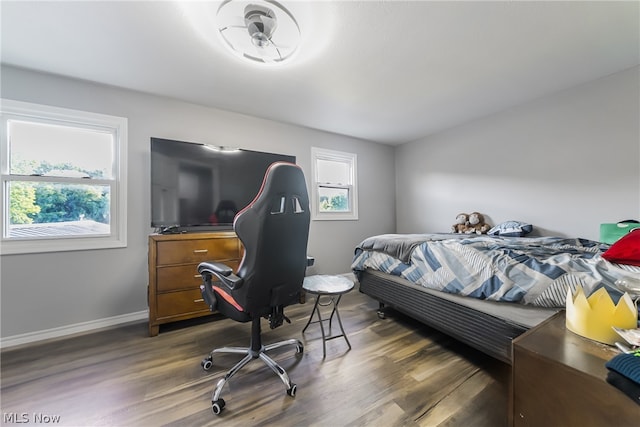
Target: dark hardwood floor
{"points": [[398, 373]]}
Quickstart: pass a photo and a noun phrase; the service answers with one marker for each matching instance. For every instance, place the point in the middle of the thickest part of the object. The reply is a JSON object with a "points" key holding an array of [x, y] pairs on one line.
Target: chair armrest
{"points": [[217, 268], [222, 271]]}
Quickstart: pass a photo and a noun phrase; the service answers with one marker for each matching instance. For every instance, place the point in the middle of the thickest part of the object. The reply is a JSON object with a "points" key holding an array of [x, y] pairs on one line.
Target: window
{"points": [[335, 195], [63, 179]]}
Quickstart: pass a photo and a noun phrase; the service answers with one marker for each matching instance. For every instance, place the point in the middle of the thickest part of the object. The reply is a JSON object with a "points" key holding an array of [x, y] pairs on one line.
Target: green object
{"points": [[610, 233]]}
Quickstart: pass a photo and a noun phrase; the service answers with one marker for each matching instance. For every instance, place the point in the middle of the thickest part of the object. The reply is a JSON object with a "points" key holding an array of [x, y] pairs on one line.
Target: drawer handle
{"points": [[199, 300], [200, 251]]}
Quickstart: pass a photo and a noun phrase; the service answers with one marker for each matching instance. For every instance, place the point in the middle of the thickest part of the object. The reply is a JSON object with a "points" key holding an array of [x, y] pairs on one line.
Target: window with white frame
{"points": [[63, 179], [335, 194]]}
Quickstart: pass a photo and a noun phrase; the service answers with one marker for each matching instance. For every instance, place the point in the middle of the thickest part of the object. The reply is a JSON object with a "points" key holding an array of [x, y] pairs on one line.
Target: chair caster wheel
{"points": [[217, 406], [207, 363], [382, 314], [292, 391], [299, 349]]}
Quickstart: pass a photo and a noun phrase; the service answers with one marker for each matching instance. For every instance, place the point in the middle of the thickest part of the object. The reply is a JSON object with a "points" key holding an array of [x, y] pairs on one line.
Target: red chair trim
{"points": [[228, 298]]}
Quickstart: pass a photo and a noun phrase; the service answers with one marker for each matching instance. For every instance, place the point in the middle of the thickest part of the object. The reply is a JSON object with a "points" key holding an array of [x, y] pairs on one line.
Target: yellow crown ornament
{"points": [[595, 317]]}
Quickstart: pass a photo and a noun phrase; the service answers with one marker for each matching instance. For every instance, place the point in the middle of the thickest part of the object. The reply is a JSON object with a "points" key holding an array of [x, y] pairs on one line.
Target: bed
{"points": [[482, 290]]}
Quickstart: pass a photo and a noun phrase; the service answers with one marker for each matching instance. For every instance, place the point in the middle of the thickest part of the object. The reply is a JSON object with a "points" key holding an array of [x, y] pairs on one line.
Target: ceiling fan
{"points": [[261, 30]]}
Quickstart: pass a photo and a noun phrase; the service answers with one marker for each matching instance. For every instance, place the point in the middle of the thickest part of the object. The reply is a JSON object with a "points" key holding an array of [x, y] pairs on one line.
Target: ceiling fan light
{"points": [[260, 39], [261, 30]]}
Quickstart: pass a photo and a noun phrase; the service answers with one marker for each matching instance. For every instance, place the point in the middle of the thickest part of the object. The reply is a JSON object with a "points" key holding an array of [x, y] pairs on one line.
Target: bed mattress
{"points": [[532, 271]]}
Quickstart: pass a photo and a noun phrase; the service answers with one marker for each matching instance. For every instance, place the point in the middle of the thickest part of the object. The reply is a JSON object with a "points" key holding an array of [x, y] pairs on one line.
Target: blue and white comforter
{"points": [[534, 271]]}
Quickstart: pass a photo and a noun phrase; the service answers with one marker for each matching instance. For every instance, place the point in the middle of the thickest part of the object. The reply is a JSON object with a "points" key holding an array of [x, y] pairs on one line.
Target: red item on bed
{"points": [[626, 250]]}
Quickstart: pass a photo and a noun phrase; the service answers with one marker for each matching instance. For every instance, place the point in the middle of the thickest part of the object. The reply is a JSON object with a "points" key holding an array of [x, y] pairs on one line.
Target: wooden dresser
{"points": [[174, 282], [560, 379]]}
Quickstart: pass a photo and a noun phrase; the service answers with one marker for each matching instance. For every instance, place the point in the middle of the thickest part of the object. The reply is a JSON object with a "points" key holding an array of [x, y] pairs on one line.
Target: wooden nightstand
{"points": [[559, 379]]}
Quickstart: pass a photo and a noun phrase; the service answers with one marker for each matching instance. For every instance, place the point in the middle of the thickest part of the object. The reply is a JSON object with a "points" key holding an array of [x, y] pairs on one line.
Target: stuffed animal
{"points": [[477, 224], [462, 223]]}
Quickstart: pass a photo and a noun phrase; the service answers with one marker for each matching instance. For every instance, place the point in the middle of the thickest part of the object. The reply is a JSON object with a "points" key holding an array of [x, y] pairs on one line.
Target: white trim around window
{"points": [[71, 234], [334, 186]]}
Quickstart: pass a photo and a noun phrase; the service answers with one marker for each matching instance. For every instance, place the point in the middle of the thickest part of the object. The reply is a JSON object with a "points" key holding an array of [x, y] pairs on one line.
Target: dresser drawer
{"points": [[172, 278], [197, 250], [175, 277], [180, 303]]}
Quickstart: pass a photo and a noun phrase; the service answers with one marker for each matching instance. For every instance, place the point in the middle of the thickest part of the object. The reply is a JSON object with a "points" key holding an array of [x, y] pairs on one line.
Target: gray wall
{"points": [[52, 290], [564, 163]]}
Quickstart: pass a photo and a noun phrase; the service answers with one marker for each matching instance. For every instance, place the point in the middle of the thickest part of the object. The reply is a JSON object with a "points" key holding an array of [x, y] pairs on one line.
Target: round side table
{"points": [[332, 287]]}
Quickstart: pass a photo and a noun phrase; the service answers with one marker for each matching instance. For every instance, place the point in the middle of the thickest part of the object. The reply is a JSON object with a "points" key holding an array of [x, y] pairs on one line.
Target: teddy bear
{"points": [[462, 223], [477, 224]]}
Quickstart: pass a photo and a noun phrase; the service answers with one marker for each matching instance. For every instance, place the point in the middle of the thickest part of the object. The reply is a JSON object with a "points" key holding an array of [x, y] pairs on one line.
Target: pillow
{"points": [[511, 229], [626, 250]]}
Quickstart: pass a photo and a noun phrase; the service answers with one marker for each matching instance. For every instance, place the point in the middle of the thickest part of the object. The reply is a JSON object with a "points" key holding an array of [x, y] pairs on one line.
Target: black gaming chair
{"points": [[274, 229]]}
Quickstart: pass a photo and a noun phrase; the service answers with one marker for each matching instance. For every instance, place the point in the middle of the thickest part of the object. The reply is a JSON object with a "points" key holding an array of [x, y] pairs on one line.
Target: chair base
{"points": [[250, 354]]}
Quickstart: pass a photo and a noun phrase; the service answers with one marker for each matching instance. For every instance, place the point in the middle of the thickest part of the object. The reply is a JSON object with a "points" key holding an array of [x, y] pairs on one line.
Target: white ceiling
{"points": [[387, 71]]}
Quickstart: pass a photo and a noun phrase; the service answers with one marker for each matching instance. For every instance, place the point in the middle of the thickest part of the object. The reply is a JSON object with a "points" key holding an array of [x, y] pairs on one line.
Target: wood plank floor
{"points": [[398, 373]]}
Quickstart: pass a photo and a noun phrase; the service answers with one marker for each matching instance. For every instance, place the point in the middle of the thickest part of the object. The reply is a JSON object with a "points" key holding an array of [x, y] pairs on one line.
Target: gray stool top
{"points": [[327, 285]]}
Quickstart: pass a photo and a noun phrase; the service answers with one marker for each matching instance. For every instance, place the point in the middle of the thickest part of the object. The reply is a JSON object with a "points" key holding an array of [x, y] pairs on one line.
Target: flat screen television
{"points": [[198, 187]]}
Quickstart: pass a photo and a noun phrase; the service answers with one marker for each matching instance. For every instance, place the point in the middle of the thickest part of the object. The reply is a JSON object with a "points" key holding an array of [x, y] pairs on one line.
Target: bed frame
{"points": [[485, 330]]}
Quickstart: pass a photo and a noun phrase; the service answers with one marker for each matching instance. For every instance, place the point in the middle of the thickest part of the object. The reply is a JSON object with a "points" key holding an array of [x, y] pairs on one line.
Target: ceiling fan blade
{"points": [[231, 21], [232, 27], [270, 25], [268, 53], [284, 47]]}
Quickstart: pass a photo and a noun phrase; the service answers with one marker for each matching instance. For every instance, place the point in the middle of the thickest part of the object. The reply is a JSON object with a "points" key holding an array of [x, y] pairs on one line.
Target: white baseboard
{"points": [[62, 331], [91, 325]]}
